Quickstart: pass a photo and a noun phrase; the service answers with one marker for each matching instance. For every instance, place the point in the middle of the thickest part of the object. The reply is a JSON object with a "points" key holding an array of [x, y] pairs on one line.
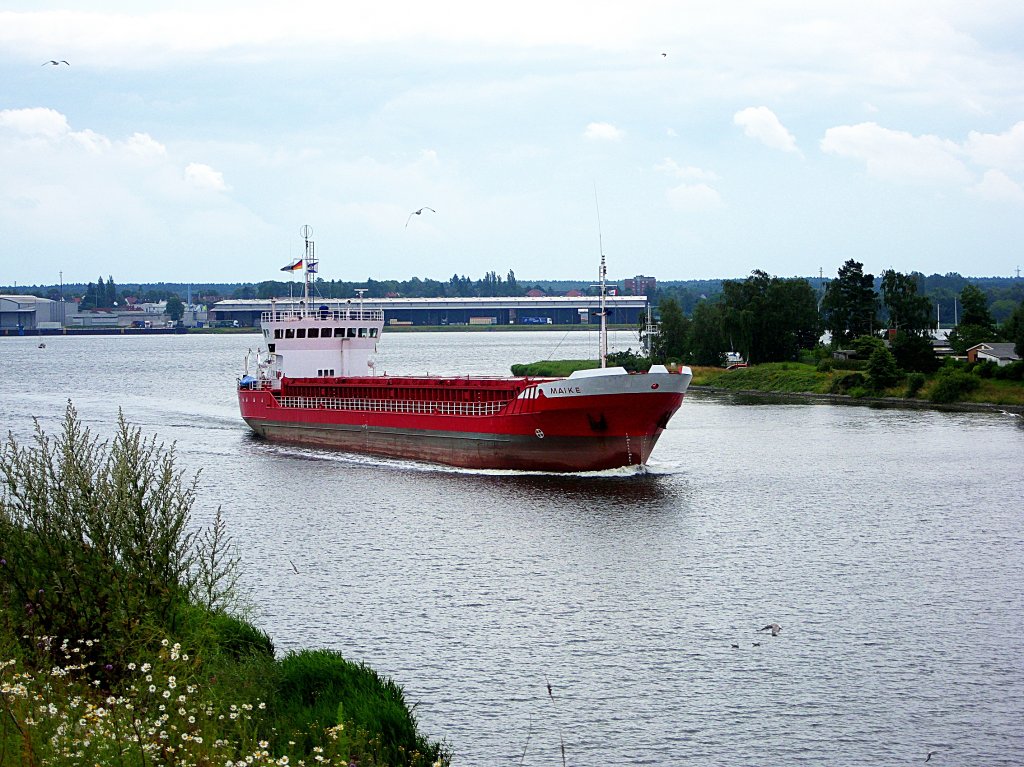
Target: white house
{"points": [[999, 353]]}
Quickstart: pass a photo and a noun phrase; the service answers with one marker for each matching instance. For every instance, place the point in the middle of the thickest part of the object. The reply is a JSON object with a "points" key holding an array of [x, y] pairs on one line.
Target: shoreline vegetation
{"points": [[973, 388], [124, 639]]}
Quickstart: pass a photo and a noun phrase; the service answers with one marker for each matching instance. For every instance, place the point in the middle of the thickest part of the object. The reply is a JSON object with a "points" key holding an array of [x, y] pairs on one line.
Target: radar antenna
{"points": [[310, 262]]}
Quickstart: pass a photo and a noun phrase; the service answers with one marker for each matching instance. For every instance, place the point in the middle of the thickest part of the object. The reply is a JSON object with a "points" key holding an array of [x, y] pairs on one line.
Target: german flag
{"points": [[292, 267]]}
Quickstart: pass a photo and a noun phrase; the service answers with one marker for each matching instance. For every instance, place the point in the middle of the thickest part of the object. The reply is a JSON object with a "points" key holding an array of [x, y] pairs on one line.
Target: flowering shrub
{"points": [[162, 713], [96, 541]]}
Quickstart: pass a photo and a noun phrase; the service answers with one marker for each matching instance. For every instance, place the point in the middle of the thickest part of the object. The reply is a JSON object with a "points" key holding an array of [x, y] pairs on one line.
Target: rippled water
{"points": [[887, 543]]}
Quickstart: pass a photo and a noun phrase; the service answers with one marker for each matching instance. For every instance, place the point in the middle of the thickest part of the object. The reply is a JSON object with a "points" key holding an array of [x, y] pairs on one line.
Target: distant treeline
{"points": [[770, 319], [1002, 294]]}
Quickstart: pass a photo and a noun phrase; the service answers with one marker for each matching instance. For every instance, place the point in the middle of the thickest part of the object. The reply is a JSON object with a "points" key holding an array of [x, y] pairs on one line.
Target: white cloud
{"points": [[204, 177], [36, 121], [144, 145], [898, 155], [688, 172], [997, 186], [761, 123], [1002, 150], [90, 141], [603, 132], [695, 193], [693, 197]]}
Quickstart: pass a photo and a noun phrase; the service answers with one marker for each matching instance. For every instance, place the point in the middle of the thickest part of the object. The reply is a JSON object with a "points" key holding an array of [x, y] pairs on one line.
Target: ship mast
{"points": [[602, 281], [310, 262], [602, 284]]}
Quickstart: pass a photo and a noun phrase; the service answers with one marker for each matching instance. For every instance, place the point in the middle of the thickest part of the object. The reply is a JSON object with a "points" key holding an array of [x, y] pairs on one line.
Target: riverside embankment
{"points": [[850, 387]]}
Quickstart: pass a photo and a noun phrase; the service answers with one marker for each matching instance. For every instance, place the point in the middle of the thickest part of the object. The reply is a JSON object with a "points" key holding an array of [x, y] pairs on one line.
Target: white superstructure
{"points": [[319, 338], [323, 341]]}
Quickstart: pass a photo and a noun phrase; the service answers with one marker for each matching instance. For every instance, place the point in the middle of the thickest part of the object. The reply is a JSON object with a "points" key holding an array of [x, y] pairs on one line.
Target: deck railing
{"points": [[331, 313], [421, 407]]}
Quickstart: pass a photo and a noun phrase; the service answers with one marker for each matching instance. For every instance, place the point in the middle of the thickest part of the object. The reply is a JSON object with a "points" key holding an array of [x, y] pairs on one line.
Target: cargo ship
{"points": [[313, 382]]}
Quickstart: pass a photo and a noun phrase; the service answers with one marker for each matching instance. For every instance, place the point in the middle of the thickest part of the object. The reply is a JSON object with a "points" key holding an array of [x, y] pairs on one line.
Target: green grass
{"points": [[553, 368], [787, 377], [793, 377], [997, 393]]}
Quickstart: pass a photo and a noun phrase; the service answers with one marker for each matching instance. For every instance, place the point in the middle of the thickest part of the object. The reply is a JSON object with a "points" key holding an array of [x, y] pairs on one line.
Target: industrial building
{"points": [[19, 314], [519, 310]]}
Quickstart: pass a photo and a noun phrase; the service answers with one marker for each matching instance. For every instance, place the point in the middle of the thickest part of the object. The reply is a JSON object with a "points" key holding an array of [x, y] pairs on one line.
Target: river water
{"points": [[887, 543]]}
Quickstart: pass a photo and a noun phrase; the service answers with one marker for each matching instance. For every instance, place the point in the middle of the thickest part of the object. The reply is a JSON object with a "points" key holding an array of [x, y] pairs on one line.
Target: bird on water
{"points": [[774, 627]]}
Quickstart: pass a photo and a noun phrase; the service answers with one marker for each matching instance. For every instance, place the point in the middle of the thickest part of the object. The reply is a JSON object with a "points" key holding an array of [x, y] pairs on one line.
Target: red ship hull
{"points": [[571, 425]]}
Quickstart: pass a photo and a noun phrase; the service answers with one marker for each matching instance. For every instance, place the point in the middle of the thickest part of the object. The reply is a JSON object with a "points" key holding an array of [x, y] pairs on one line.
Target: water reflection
{"points": [[618, 491]]}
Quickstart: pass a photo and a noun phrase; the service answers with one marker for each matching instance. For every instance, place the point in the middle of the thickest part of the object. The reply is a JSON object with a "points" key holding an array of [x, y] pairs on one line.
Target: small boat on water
{"points": [[313, 382]]}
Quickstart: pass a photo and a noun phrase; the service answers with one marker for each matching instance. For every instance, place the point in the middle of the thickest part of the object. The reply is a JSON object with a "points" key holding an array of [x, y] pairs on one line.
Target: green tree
{"points": [[915, 353], [882, 369], [175, 308], [908, 311], [850, 303], [706, 343], [976, 325], [670, 340], [770, 319], [1013, 329], [110, 293], [865, 346], [974, 308]]}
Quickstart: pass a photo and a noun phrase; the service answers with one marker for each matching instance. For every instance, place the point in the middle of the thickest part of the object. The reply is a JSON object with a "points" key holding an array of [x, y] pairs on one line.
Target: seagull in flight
{"points": [[774, 627], [418, 213], [51, 62]]}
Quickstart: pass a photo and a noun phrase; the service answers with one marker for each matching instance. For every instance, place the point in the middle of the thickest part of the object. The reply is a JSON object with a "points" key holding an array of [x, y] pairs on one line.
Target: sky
{"points": [[191, 141]]}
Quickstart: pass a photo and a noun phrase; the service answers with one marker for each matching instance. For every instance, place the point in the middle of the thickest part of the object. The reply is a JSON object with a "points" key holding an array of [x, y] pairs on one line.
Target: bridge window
{"points": [[289, 333], [314, 332], [362, 332], [351, 332], [278, 333], [325, 333], [339, 332], [300, 333], [373, 332]]}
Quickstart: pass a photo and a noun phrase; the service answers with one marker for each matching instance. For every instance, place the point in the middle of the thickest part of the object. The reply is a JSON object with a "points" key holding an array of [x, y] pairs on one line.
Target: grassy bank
{"points": [[123, 641]]}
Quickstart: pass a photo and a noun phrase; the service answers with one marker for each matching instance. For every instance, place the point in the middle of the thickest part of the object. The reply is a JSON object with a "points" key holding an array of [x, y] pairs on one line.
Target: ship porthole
{"points": [[539, 433], [654, 386]]}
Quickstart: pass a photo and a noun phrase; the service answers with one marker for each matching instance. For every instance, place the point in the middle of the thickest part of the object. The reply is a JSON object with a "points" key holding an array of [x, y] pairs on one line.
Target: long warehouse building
{"points": [[542, 310]]}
